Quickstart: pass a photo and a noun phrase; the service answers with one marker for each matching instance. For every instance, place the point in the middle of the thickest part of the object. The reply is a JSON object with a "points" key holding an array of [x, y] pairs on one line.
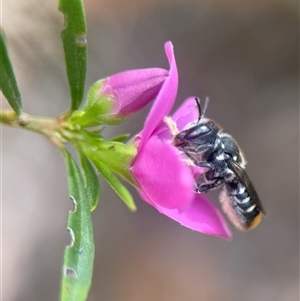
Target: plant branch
{"points": [[56, 130]]}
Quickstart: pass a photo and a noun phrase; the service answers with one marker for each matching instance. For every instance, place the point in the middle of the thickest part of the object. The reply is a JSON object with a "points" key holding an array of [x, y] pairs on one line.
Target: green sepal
{"points": [[74, 43], [91, 182], [8, 83], [79, 254], [115, 184], [97, 110], [117, 156]]}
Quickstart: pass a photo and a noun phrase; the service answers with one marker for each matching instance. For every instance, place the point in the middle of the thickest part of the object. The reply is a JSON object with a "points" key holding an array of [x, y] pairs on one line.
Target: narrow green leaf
{"points": [[91, 182], [74, 42], [8, 83], [116, 185], [79, 254], [121, 137]]}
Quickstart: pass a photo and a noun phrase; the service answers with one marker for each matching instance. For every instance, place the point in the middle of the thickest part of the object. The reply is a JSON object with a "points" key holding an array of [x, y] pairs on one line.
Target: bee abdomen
{"points": [[240, 208]]}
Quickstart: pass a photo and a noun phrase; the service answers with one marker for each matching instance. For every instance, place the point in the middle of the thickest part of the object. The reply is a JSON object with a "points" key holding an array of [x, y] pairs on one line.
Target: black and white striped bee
{"points": [[207, 146]]}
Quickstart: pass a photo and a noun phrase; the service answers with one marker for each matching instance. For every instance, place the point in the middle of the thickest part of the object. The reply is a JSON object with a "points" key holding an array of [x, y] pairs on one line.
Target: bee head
{"points": [[196, 131]]}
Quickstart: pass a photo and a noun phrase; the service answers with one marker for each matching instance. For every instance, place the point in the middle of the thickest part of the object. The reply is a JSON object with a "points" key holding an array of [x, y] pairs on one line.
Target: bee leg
{"points": [[203, 148], [205, 164], [189, 162], [207, 187]]}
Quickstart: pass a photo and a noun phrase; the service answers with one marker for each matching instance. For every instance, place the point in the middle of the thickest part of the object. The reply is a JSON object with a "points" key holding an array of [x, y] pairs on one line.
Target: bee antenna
{"points": [[201, 112], [199, 108], [205, 105]]}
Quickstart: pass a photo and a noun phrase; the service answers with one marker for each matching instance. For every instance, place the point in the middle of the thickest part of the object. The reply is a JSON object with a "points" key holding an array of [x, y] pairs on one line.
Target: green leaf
{"points": [[79, 254], [8, 83], [115, 184], [74, 42], [121, 137], [91, 182]]}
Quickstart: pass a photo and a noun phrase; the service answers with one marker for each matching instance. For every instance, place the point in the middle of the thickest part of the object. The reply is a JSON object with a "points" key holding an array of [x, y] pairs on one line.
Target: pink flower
{"points": [[164, 180]]}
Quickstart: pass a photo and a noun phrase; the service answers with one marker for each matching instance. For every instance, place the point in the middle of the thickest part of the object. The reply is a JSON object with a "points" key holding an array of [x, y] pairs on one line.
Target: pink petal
{"points": [[165, 99], [201, 216], [164, 179], [185, 115]]}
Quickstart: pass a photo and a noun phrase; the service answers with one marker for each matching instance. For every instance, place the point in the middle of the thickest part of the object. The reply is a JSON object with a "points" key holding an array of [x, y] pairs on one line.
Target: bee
{"points": [[207, 146]]}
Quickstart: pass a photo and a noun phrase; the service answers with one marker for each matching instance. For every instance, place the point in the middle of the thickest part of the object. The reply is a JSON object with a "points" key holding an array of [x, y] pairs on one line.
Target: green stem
{"points": [[55, 130]]}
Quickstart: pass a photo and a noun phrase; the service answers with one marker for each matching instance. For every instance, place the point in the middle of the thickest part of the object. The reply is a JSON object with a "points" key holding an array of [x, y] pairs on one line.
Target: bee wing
{"points": [[244, 178]]}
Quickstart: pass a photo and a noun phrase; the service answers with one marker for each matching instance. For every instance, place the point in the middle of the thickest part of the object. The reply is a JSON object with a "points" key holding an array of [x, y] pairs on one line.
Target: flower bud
{"points": [[112, 100]]}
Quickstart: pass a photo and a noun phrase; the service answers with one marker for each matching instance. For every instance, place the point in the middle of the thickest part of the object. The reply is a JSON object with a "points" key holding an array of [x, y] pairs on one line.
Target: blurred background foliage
{"points": [[245, 56]]}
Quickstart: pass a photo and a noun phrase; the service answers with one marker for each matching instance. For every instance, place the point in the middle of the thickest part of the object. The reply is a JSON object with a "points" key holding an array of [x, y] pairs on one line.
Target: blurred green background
{"points": [[244, 55]]}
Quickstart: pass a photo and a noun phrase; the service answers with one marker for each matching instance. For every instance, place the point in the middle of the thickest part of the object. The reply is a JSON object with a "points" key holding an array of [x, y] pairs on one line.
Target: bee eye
{"points": [[197, 131]]}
